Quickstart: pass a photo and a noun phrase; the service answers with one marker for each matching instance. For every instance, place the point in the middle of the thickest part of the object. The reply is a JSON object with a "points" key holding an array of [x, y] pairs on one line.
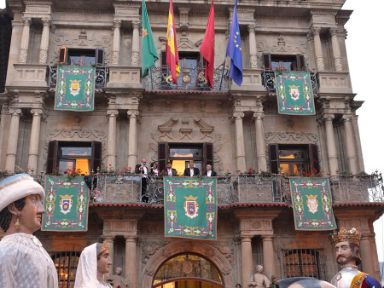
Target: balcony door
{"points": [[182, 153]]}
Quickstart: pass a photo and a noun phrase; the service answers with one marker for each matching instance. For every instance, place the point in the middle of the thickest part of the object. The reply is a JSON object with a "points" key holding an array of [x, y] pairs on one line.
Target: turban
{"points": [[16, 187]]}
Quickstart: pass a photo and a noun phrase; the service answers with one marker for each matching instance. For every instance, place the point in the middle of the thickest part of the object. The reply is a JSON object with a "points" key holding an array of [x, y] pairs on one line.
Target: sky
{"points": [[365, 62]]}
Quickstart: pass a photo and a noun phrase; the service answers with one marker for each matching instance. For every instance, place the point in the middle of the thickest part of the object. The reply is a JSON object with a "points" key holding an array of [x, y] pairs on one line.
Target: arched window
{"points": [[184, 269]]}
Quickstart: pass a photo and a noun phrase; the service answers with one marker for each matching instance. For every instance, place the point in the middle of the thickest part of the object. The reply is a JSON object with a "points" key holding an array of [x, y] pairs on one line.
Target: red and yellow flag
{"points": [[171, 48]]}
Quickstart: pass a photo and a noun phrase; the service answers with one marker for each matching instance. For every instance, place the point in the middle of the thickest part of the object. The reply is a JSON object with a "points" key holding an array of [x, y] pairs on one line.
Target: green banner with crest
{"points": [[66, 204], [294, 93], [312, 204], [190, 207], [75, 88]]}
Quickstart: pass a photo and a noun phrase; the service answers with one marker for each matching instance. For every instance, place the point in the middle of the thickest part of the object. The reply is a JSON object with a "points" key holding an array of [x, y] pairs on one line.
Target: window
{"points": [[79, 156], [302, 263], [294, 159], [284, 62], [66, 264], [81, 57], [181, 153]]}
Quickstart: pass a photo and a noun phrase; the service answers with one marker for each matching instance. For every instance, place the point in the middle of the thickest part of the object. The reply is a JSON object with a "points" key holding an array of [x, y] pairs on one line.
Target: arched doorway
{"points": [[187, 271]]}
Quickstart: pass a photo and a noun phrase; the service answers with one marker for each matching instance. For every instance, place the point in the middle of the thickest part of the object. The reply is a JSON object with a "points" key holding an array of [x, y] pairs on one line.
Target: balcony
{"points": [[100, 81], [190, 78], [29, 75], [268, 81], [121, 189]]}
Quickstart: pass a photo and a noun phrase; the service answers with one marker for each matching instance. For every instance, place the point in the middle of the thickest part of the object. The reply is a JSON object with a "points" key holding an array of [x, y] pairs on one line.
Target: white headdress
{"points": [[17, 187], [86, 274]]}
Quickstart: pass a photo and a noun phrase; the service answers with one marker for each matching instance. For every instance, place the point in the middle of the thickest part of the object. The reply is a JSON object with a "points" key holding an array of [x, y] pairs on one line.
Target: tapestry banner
{"points": [[294, 93], [75, 88], [190, 207], [66, 204], [312, 204]]}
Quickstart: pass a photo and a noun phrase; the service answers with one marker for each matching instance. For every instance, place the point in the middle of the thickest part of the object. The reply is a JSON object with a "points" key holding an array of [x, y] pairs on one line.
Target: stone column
{"points": [[44, 44], [131, 261], [252, 46], [366, 258], [132, 140], [111, 145], [331, 145], [13, 137], [318, 50], [135, 43], [246, 260], [23, 53], [116, 42], [3, 116], [240, 150], [336, 51], [350, 146], [110, 241], [33, 154], [268, 256], [360, 158], [260, 142]]}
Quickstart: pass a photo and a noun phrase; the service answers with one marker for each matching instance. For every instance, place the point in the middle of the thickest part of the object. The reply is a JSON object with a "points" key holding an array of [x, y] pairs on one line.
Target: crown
{"points": [[352, 236]]}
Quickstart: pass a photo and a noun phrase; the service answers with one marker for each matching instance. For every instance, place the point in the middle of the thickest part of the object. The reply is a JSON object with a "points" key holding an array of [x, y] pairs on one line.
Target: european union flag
{"points": [[234, 50]]}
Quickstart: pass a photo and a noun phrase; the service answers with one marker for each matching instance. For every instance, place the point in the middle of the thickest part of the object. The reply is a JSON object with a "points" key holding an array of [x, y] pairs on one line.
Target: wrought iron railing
{"points": [[127, 188], [100, 81], [268, 80], [190, 78]]}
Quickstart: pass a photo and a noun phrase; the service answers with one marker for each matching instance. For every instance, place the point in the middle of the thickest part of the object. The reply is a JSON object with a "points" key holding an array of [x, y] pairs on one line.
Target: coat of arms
{"points": [[74, 87], [312, 203], [191, 207], [65, 203], [294, 92]]}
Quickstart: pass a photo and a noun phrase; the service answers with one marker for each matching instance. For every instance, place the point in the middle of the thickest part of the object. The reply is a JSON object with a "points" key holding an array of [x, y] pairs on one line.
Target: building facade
{"points": [[235, 128]]}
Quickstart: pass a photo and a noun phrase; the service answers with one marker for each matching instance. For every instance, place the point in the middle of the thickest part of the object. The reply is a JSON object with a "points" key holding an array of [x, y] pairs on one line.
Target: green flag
{"points": [[148, 48]]}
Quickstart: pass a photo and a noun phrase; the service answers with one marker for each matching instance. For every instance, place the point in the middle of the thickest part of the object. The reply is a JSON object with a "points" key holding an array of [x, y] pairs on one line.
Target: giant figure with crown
{"points": [[347, 244]]}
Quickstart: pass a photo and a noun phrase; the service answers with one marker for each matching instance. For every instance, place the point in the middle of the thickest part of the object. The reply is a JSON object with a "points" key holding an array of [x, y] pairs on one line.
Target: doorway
{"points": [[188, 271]]}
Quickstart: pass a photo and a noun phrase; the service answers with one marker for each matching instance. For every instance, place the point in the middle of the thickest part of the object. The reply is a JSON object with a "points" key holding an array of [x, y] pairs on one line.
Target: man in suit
{"points": [[169, 171], [191, 171], [143, 170], [209, 172]]}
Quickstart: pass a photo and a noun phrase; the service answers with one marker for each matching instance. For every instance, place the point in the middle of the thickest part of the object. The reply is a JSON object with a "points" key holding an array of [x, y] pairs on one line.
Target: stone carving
{"points": [[167, 126], [205, 128], [283, 45], [186, 44], [291, 138]]}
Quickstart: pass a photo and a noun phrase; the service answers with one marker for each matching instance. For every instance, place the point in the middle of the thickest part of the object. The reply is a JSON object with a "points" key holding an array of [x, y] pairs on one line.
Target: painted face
{"points": [[104, 263], [30, 216], [344, 253]]}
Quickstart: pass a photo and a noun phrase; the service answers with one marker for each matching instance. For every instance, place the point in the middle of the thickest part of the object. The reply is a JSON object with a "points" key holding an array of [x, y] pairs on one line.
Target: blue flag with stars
{"points": [[234, 50]]}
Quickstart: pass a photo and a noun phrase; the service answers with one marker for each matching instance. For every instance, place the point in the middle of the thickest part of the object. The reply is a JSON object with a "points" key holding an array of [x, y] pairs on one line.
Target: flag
{"points": [[171, 48], [207, 49], [148, 48], [234, 50]]}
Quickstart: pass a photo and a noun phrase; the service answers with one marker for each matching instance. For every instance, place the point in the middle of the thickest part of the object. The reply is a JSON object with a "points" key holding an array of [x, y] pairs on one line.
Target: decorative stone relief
{"points": [[291, 138], [283, 45], [149, 248]]}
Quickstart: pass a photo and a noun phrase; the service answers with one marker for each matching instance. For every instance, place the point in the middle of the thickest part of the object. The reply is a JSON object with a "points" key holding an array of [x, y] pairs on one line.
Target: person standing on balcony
{"points": [[347, 244], [142, 169], [192, 171], [209, 172], [94, 263], [169, 171], [23, 260]]}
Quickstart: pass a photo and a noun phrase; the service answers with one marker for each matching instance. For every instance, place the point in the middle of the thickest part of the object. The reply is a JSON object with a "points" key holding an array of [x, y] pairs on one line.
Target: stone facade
{"points": [[256, 225]]}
